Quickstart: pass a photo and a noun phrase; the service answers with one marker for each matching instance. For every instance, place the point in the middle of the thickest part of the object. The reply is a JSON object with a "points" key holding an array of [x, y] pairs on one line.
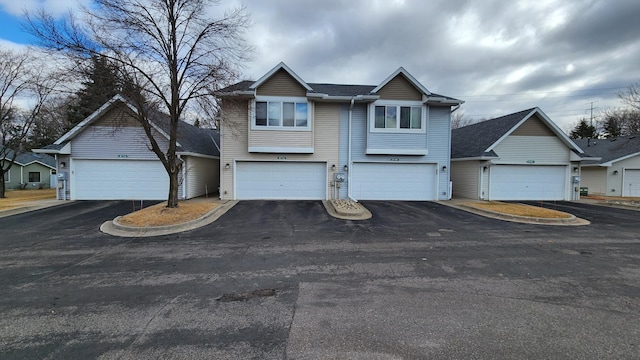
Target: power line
{"points": [[543, 92]]}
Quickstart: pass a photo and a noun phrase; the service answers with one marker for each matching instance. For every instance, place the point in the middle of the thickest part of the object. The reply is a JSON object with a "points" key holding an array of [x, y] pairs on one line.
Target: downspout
{"points": [[184, 179], [349, 152]]}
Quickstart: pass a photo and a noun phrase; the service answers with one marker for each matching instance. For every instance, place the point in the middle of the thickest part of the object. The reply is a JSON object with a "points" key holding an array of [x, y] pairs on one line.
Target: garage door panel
{"points": [[281, 180], [631, 183], [119, 180], [383, 181], [521, 182]]}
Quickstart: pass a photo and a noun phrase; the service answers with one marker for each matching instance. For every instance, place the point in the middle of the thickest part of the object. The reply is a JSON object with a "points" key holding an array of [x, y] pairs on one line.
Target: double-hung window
{"points": [[282, 114], [34, 176], [398, 117]]}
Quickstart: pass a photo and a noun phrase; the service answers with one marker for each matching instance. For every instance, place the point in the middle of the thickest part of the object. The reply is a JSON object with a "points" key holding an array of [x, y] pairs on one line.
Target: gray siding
{"points": [[376, 140], [614, 181], [437, 137], [549, 150], [465, 176], [98, 142]]}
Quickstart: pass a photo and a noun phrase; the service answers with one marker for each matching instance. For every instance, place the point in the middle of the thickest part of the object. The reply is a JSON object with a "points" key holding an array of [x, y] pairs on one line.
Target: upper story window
{"points": [[403, 117], [281, 114]]}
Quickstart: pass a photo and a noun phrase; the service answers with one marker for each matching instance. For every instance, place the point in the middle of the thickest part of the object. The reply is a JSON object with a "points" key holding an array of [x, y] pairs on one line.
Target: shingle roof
{"points": [[30, 157], [191, 138], [473, 140], [321, 88], [609, 149]]}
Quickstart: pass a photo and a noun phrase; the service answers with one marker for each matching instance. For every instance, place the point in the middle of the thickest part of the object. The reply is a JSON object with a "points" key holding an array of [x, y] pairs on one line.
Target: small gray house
{"points": [[617, 173], [520, 156], [107, 157]]}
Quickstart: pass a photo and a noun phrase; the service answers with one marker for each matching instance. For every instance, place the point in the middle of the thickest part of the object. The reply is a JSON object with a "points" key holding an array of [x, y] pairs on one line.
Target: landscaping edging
{"points": [[571, 220], [358, 212]]}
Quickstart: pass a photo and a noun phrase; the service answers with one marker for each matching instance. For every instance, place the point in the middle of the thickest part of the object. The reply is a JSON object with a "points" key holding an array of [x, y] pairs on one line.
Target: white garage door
{"points": [[521, 182], [631, 183], [281, 180], [119, 180], [380, 181]]}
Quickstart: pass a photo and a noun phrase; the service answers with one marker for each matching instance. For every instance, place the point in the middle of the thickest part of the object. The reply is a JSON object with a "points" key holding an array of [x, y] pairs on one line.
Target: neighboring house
{"points": [[617, 173], [108, 157], [283, 138], [29, 171], [521, 156]]}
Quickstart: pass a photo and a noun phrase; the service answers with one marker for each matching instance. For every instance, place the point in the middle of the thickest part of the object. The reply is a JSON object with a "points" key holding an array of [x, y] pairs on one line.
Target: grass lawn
{"points": [[159, 214], [17, 198], [519, 210]]}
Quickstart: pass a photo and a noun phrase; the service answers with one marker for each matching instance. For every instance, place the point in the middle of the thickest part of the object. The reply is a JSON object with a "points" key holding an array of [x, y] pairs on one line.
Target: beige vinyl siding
{"points": [[234, 141], [281, 138], [533, 127], [465, 179], [202, 175], [540, 149], [281, 84], [399, 88], [594, 178]]}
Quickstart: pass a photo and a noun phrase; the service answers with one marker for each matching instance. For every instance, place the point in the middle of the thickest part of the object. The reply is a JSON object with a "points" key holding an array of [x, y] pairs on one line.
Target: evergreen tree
{"points": [[612, 127], [102, 84], [583, 131]]}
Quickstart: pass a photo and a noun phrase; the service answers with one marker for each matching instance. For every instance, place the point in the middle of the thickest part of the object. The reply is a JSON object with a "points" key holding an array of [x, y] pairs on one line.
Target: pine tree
{"points": [[102, 84], [583, 131]]}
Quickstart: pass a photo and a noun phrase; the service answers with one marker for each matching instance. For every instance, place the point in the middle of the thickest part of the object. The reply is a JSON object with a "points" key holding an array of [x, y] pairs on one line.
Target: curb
{"points": [[114, 227], [24, 209], [571, 221], [361, 214]]}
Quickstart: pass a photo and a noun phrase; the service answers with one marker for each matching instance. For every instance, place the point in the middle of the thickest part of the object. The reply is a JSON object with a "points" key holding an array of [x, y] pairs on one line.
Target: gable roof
{"points": [[478, 140], [28, 158], [405, 73], [336, 92], [280, 66], [190, 139], [610, 150]]}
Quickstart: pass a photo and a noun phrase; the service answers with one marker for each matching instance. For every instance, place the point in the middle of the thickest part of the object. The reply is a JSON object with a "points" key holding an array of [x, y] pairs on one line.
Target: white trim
{"points": [[271, 72], [397, 151], [398, 104], [280, 150], [610, 163], [7, 176], [281, 100], [408, 76], [545, 119], [187, 153]]}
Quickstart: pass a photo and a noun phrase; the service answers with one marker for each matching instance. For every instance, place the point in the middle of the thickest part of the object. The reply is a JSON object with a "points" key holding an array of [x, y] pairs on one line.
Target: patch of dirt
{"points": [[16, 198], [519, 210], [160, 215]]}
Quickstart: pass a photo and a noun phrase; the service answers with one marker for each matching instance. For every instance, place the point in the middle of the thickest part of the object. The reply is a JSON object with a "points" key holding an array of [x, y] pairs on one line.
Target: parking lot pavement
{"points": [[275, 279]]}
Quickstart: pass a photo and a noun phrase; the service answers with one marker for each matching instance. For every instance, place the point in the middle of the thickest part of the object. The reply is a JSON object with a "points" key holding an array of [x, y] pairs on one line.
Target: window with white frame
{"points": [[7, 176], [282, 114], [398, 117]]}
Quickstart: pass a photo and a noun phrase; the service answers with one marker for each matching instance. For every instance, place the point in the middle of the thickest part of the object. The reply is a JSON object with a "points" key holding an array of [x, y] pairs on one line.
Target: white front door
{"points": [[527, 182], [384, 181], [631, 183], [118, 180], [281, 180]]}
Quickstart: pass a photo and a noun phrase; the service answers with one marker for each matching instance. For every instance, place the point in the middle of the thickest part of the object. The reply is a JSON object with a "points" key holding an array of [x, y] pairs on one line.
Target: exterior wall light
{"points": [[615, 172], [575, 169], [227, 166], [346, 168], [444, 168], [333, 167]]}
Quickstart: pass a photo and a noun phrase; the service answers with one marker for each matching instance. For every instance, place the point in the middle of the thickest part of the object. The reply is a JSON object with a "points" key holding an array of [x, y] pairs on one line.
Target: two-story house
{"points": [[284, 138]]}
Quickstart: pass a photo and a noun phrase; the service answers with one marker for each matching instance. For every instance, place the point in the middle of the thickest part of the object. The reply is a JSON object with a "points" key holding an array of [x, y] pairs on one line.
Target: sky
{"points": [[499, 56]]}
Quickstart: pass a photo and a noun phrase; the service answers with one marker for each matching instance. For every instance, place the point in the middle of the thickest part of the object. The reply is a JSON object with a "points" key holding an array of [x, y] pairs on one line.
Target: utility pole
{"points": [[591, 116]]}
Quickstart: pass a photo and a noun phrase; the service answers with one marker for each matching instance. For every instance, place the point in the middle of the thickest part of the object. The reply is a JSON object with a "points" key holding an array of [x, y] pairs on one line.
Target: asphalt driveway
{"points": [[274, 280]]}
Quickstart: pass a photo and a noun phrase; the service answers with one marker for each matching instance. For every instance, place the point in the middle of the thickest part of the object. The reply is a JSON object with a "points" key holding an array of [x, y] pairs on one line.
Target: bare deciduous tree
{"points": [[459, 119], [170, 52], [631, 96], [22, 80]]}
